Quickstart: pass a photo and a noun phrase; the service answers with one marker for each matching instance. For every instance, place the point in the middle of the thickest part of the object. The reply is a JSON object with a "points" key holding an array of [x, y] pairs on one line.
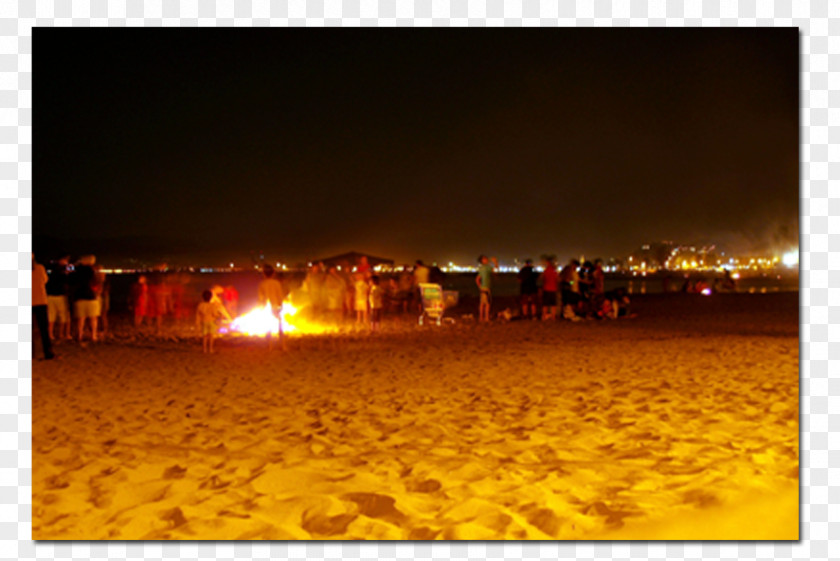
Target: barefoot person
{"points": [[548, 287], [527, 278], [484, 282], [362, 291], [86, 305], [39, 306], [270, 291], [207, 316], [139, 302], [376, 302], [58, 308]]}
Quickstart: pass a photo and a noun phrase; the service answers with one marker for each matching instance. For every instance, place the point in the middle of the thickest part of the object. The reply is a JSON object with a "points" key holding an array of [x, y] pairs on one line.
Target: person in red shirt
{"points": [[231, 300], [140, 300], [364, 267], [548, 282]]}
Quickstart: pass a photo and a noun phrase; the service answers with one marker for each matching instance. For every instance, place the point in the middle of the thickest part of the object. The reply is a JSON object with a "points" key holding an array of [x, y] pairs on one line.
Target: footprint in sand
{"points": [[174, 472], [323, 525], [375, 505], [56, 482]]}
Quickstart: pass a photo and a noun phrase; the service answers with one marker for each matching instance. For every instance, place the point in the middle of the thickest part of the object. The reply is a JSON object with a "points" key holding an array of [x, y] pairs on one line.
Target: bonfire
{"points": [[260, 321]]}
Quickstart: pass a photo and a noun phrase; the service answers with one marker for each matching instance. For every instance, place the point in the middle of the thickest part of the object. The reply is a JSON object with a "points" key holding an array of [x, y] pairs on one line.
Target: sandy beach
{"points": [[681, 423]]}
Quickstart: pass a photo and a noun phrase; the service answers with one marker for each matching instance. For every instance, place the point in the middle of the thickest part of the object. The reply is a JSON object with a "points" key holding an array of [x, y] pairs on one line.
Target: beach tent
{"points": [[353, 259]]}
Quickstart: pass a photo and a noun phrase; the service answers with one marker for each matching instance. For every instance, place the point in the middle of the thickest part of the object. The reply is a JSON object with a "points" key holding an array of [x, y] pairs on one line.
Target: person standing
{"points": [[314, 287], [548, 281], [421, 276], [102, 287], [270, 292], [570, 289], [527, 278], [596, 294], [86, 305], [39, 307], [376, 303], [362, 293], [140, 300], [161, 292], [405, 284], [364, 267], [207, 316], [231, 298], [58, 308], [484, 282], [334, 290]]}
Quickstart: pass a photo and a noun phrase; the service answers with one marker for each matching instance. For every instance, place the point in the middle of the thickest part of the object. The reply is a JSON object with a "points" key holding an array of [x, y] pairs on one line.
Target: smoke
{"points": [[772, 237]]}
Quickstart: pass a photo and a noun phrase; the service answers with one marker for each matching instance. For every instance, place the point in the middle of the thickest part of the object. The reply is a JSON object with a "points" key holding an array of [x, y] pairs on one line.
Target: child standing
{"points": [[207, 317], [376, 302]]}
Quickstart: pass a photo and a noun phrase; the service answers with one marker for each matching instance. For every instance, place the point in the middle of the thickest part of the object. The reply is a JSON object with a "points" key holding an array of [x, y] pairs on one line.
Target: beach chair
{"points": [[433, 302]]}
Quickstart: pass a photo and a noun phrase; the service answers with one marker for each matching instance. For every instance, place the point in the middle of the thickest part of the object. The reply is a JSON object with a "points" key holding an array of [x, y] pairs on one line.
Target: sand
{"points": [[682, 423]]}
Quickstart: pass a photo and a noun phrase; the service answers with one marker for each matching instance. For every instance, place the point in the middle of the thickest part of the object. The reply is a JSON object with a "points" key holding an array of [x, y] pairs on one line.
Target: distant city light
{"points": [[791, 259]]}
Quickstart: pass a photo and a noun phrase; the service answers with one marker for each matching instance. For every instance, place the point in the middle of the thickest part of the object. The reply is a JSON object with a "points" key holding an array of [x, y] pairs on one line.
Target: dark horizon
{"points": [[438, 144]]}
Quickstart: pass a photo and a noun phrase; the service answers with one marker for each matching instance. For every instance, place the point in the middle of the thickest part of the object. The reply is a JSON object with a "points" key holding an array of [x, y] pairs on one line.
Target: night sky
{"points": [[200, 146]]}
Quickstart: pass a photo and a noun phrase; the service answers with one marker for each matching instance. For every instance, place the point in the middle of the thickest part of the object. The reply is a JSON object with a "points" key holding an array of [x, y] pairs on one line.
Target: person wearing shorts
{"points": [[86, 306], [270, 292], [85, 309], [527, 278], [484, 282], [570, 289], [376, 302], [207, 316], [549, 289], [58, 309]]}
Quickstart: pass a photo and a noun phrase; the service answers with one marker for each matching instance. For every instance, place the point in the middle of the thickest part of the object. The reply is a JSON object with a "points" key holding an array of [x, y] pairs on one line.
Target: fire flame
{"points": [[261, 321]]}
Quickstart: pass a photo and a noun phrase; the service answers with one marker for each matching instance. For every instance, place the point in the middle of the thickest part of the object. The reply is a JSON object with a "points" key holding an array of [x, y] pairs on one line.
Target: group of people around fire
{"points": [[339, 294]]}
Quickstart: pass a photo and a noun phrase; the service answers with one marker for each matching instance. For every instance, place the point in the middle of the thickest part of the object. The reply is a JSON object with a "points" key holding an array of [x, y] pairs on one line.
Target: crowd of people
{"points": [[70, 299], [577, 290], [338, 292], [161, 297], [76, 296]]}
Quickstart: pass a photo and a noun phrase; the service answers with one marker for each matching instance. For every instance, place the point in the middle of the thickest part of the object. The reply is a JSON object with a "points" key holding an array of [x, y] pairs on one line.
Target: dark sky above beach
{"points": [[204, 145]]}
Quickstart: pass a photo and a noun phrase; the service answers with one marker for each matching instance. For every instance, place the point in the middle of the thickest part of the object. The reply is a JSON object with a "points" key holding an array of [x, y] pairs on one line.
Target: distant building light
{"points": [[791, 259]]}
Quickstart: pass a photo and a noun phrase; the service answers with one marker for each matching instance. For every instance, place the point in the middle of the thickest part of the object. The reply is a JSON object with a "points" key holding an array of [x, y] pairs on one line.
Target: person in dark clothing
{"points": [[39, 306], [528, 290], [86, 304], [58, 306]]}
